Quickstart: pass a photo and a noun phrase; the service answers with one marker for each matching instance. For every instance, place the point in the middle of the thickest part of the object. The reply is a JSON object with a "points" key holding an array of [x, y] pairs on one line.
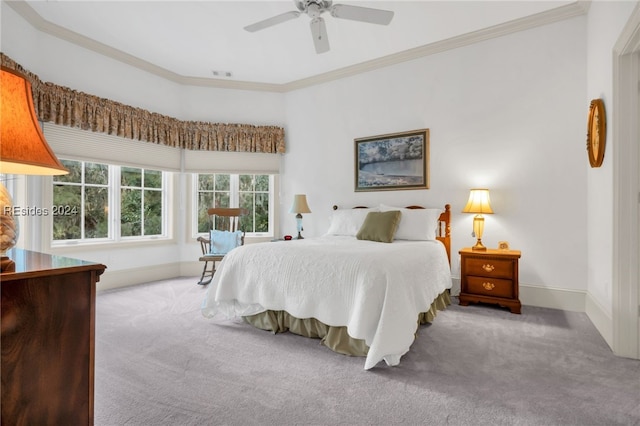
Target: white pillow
{"points": [[348, 222], [416, 224]]}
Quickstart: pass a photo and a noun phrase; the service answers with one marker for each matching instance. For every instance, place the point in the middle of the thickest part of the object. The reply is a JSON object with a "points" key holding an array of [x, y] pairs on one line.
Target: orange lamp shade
{"points": [[23, 148]]}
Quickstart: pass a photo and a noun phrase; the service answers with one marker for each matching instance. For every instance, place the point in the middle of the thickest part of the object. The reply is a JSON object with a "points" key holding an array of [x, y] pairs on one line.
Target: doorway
{"points": [[626, 135]]}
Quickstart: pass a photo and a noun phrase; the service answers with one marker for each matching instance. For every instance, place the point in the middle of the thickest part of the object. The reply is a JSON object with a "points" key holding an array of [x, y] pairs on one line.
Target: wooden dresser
{"points": [[490, 276], [48, 331]]}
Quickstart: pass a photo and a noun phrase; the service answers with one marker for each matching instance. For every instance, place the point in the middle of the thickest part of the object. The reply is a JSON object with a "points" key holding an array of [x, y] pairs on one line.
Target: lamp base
{"points": [[299, 237], [300, 228], [478, 229], [479, 246], [7, 265]]}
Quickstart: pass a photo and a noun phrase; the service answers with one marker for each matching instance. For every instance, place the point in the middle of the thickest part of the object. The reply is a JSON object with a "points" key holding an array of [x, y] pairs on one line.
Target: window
{"points": [[254, 197], [248, 191], [140, 202], [213, 190], [106, 202], [81, 202]]}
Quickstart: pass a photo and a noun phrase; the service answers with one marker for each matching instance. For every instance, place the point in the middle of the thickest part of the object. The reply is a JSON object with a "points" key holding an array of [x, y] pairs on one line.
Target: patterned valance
{"points": [[68, 107]]}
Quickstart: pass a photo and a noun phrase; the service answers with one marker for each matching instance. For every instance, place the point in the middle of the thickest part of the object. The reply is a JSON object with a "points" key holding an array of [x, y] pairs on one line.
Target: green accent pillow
{"points": [[380, 226]]}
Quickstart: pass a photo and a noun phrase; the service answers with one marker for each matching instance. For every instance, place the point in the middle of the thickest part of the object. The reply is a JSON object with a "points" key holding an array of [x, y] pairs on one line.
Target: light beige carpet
{"points": [[159, 362]]}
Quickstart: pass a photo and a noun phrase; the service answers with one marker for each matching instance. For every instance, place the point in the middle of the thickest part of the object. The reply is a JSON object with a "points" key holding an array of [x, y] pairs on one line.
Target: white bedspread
{"points": [[374, 289]]}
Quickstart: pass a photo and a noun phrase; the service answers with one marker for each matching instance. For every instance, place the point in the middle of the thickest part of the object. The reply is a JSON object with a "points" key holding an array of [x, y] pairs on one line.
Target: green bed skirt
{"points": [[335, 338]]}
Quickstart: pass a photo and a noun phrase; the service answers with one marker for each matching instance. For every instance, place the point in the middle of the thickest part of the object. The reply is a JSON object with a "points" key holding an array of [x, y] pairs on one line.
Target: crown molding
{"points": [[543, 18], [629, 39]]}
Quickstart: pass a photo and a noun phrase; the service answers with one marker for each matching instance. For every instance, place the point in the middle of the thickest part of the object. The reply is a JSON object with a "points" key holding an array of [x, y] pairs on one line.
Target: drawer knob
{"points": [[488, 286], [488, 268]]}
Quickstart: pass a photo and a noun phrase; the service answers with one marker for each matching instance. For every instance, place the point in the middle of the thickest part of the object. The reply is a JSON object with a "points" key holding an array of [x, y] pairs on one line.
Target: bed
{"points": [[363, 288]]}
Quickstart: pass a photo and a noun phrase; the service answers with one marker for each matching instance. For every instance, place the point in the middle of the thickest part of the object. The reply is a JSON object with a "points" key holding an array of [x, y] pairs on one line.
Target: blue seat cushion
{"points": [[222, 242]]}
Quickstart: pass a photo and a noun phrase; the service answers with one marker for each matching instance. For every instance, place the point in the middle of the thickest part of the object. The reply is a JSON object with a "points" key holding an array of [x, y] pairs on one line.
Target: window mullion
{"points": [[234, 189], [116, 200], [83, 194], [142, 202]]}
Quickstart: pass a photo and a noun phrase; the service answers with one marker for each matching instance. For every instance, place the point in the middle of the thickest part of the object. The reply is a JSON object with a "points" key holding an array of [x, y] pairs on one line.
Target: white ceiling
{"points": [[187, 40]]}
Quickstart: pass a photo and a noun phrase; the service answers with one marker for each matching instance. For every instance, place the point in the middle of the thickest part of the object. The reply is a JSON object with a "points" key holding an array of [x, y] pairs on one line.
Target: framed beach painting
{"points": [[392, 162]]}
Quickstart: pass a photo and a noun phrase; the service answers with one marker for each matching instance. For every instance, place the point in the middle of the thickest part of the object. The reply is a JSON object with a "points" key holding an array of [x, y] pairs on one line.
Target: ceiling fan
{"points": [[315, 8]]}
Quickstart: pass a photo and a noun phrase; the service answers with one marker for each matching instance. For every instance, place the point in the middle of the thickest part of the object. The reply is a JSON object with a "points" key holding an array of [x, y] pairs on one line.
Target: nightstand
{"points": [[490, 276]]}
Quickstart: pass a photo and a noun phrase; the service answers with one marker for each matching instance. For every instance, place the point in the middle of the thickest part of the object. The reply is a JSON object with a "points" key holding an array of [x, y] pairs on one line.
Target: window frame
{"points": [[114, 199]]}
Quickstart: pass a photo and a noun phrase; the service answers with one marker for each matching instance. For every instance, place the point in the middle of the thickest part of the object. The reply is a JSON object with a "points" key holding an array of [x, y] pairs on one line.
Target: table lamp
{"points": [[299, 206], [479, 204], [23, 150]]}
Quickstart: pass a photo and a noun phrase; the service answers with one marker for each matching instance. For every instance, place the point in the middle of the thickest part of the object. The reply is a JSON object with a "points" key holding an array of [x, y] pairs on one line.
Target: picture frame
{"points": [[596, 132], [395, 161]]}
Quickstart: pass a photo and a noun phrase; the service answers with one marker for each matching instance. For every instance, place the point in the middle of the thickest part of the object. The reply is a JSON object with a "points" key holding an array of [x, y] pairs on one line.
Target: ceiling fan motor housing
{"points": [[313, 7]]}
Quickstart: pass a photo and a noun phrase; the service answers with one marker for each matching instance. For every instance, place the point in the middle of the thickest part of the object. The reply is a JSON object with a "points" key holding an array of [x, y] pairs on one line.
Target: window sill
{"points": [[108, 244]]}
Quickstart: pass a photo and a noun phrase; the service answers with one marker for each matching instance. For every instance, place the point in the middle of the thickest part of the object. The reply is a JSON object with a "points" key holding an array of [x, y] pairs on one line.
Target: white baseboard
{"points": [[570, 300], [128, 277], [600, 318], [455, 286], [191, 269], [554, 298]]}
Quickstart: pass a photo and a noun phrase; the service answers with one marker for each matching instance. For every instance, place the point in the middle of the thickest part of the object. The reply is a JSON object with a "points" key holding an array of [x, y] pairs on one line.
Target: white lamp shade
{"points": [[300, 204]]}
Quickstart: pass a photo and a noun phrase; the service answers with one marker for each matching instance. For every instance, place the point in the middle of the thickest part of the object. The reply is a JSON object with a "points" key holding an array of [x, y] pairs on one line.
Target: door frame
{"points": [[626, 190]]}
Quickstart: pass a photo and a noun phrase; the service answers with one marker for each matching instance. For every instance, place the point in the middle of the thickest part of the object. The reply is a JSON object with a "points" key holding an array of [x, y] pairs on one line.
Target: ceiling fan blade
{"points": [[278, 19], [363, 14], [319, 34]]}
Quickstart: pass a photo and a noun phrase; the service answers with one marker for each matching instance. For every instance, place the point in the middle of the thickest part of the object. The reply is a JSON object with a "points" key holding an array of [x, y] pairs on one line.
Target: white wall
{"points": [[507, 114], [604, 24]]}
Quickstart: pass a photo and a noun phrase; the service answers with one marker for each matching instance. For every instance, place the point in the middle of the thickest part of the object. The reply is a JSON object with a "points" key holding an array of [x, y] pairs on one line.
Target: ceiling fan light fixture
{"points": [[314, 11]]}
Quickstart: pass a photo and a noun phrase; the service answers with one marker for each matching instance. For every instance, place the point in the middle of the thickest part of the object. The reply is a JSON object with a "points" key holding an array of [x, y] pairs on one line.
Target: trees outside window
{"points": [[140, 202], [254, 197], [80, 207]]}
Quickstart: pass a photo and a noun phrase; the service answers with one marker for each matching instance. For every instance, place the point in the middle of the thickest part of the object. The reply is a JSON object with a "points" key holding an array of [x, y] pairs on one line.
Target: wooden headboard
{"points": [[444, 226]]}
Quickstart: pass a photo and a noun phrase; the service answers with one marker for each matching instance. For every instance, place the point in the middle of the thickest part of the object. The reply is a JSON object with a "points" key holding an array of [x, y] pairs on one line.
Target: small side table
{"points": [[490, 276]]}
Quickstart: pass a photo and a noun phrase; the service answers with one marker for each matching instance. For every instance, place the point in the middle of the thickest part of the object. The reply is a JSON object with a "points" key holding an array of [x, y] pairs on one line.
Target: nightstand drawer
{"points": [[490, 286], [489, 267]]}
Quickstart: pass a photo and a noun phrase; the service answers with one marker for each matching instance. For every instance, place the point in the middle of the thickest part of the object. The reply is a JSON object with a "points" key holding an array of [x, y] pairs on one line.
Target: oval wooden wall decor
{"points": [[596, 132]]}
